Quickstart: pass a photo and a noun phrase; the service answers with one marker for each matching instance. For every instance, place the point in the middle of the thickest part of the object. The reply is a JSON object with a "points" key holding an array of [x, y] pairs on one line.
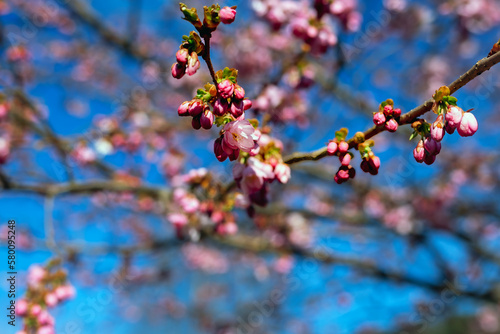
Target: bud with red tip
{"points": [[196, 122], [370, 164], [388, 110], [239, 92], [396, 113], [221, 107], [196, 107]]}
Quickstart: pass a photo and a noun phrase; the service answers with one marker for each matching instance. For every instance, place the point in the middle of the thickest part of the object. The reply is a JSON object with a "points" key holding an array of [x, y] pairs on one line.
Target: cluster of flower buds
{"points": [[449, 118], [256, 170], [47, 287], [192, 213], [187, 56], [388, 116], [340, 147], [370, 162], [317, 34]]}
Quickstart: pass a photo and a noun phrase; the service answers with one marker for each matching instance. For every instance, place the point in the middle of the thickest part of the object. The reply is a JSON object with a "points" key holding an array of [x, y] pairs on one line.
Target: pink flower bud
{"points": [[239, 92], [379, 118], [282, 172], [193, 64], [247, 104], [226, 89], [468, 125], [178, 70], [196, 107], [36, 310], [454, 116], [221, 107], [450, 129], [237, 108], [219, 152], [431, 146], [182, 56], [196, 122], [437, 129], [331, 148], [419, 152], [388, 110], [343, 146], [391, 125], [51, 299], [183, 109], [227, 15], [21, 307], [234, 155], [429, 159], [345, 159], [207, 119], [396, 112], [370, 165]]}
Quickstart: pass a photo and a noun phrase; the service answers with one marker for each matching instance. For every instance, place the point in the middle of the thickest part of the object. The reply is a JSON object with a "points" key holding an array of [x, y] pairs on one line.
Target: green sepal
{"points": [[190, 15], [341, 134]]}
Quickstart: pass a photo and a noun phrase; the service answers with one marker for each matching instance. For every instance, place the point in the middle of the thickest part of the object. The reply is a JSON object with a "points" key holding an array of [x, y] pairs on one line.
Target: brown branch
{"points": [[480, 67]]}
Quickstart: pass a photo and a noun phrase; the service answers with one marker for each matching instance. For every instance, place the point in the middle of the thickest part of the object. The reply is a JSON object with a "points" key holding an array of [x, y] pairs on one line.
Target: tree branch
{"points": [[480, 67]]}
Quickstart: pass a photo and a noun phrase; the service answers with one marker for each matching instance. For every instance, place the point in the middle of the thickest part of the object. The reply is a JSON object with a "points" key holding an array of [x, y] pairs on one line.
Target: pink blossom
{"points": [[44, 318], [370, 165], [396, 112], [379, 118], [331, 148], [391, 125], [468, 125], [254, 175], [282, 172], [226, 89], [64, 292], [227, 15], [240, 135]]}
